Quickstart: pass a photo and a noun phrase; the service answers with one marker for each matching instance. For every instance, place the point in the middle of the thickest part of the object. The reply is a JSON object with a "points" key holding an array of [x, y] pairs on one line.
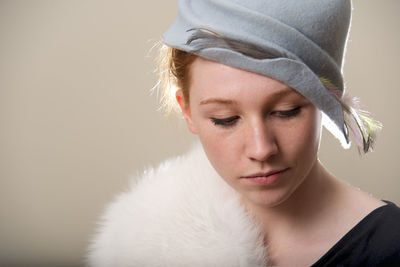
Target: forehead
{"points": [[210, 79]]}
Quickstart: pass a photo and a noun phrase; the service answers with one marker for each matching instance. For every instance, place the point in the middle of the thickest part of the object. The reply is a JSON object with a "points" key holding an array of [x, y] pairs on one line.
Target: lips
{"points": [[265, 178], [264, 174]]}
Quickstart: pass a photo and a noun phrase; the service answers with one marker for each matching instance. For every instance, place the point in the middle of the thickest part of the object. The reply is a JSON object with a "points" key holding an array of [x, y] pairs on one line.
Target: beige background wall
{"points": [[77, 119]]}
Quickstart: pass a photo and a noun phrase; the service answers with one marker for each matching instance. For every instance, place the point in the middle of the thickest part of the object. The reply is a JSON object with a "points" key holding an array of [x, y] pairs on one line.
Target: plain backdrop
{"points": [[77, 119]]}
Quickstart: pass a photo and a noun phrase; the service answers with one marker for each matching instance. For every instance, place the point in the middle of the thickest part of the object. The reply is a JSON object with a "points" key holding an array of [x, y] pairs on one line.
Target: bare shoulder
{"points": [[356, 204]]}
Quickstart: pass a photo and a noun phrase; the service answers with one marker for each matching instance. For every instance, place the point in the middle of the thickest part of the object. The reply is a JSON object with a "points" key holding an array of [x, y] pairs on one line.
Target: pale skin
{"points": [[251, 124]]}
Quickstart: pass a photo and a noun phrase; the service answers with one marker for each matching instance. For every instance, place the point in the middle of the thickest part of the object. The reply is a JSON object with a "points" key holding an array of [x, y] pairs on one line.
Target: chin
{"points": [[266, 198]]}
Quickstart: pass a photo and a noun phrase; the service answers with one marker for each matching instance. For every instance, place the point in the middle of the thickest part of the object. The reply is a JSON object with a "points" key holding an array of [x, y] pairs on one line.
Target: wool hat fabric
{"points": [[307, 37]]}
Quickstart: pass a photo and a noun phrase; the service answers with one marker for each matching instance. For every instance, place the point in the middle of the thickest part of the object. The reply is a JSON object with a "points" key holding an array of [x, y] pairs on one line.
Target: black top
{"points": [[374, 241]]}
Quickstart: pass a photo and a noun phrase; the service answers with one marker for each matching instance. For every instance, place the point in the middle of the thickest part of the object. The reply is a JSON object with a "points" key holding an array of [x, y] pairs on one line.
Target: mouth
{"points": [[265, 178]]}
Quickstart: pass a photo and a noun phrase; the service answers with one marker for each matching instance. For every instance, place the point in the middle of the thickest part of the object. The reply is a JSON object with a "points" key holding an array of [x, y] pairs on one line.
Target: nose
{"points": [[261, 142]]}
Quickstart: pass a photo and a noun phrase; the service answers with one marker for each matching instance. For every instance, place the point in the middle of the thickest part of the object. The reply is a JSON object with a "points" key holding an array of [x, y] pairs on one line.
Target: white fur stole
{"points": [[180, 214]]}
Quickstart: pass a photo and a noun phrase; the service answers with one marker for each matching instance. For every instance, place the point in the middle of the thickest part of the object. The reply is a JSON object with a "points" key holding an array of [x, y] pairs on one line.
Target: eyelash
{"points": [[226, 122], [231, 121], [287, 113]]}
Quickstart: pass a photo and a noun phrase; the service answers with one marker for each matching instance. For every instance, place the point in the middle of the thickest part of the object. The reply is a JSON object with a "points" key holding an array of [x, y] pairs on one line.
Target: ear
{"points": [[185, 111]]}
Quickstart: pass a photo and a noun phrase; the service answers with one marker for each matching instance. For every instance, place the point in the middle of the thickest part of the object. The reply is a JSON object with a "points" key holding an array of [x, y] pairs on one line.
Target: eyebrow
{"points": [[218, 101], [225, 101]]}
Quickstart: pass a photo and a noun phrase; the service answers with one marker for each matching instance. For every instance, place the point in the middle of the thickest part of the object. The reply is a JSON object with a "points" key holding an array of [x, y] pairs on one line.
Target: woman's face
{"points": [[260, 135]]}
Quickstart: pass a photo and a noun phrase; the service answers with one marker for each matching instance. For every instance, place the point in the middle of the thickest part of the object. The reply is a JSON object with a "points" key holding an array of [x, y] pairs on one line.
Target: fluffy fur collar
{"points": [[179, 214]]}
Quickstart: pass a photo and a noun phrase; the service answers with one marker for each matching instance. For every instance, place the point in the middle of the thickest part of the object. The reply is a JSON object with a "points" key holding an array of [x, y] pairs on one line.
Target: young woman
{"points": [[255, 80]]}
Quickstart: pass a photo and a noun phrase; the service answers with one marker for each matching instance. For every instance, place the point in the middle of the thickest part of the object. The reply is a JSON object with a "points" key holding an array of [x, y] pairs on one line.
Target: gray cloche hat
{"points": [[307, 37]]}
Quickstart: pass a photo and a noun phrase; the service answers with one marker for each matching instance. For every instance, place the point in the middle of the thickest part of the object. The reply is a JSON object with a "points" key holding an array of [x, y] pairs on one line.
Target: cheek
{"points": [[305, 138], [313, 134], [222, 148]]}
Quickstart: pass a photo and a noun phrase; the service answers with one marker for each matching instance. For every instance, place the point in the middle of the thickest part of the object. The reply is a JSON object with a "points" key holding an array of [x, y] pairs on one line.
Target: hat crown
{"points": [[282, 23], [325, 22]]}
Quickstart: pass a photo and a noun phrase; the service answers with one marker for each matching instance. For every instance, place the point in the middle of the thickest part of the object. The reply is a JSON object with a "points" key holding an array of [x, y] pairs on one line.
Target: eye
{"points": [[225, 122], [287, 113]]}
